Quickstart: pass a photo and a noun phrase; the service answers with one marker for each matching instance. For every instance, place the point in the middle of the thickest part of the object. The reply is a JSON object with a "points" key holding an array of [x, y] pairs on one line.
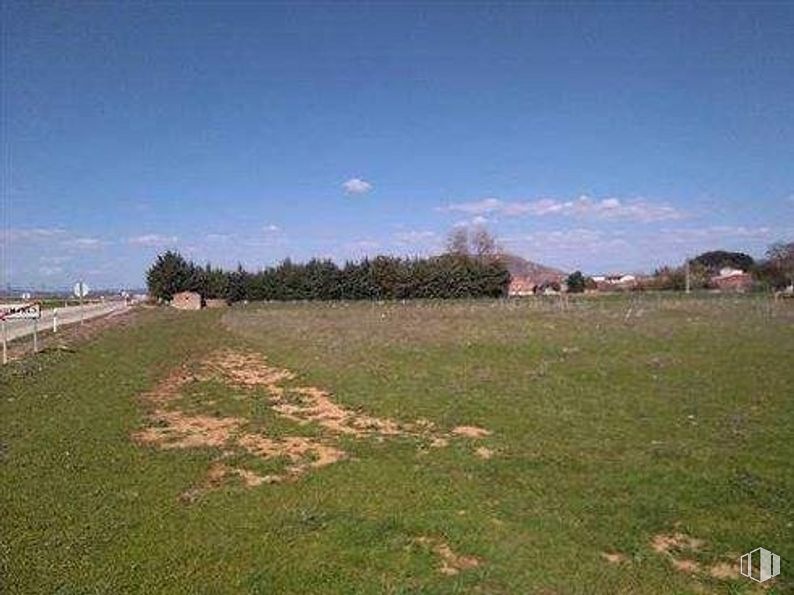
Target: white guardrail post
{"points": [[55, 320], [5, 341]]}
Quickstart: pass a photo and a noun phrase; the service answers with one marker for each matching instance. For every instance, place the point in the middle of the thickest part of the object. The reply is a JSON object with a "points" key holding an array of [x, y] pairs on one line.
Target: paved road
{"points": [[68, 315]]}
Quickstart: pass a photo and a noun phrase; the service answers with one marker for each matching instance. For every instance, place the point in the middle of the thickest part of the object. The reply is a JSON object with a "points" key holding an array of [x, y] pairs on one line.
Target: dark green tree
{"points": [[576, 282], [713, 261], [170, 274]]}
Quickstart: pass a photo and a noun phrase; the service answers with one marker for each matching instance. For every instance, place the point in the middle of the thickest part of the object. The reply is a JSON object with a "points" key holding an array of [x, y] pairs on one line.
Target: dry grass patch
{"points": [[614, 557], [471, 432], [171, 427], [451, 562], [676, 545], [667, 543]]}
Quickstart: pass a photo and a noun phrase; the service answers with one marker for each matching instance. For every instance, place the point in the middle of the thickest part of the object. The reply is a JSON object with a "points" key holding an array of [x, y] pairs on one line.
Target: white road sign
{"points": [[20, 311], [81, 289]]}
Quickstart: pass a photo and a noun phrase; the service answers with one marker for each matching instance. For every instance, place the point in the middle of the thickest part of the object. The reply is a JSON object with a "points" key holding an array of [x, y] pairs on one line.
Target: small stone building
{"points": [[187, 300]]}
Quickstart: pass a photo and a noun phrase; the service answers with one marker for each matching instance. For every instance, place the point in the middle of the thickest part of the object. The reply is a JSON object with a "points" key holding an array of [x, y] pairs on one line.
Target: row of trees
{"points": [[775, 271], [452, 275]]}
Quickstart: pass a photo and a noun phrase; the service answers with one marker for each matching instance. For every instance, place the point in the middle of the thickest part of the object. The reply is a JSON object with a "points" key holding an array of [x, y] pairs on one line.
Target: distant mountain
{"points": [[521, 268]]}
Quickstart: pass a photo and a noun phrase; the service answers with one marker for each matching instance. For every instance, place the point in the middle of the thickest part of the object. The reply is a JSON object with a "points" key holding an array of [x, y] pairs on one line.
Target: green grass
{"points": [[613, 420]]}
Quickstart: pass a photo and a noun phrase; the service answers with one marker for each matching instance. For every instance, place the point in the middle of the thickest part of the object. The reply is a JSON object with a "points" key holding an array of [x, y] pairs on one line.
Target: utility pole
{"points": [[5, 342], [688, 285]]}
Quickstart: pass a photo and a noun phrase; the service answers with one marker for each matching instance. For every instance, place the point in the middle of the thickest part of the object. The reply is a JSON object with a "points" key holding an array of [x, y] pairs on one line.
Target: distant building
{"points": [[615, 282], [187, 300], [731, 279], [521, 286]]}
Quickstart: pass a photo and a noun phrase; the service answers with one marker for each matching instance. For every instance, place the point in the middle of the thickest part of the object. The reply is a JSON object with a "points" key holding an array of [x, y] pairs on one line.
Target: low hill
{"points": [[522, 268]]}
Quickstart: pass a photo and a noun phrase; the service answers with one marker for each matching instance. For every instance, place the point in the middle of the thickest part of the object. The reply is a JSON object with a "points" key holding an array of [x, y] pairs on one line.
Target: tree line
{"points": [[773, 272], [450, 275]]}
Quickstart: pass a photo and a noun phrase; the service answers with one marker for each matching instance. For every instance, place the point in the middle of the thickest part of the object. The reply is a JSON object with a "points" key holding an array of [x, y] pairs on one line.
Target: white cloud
{"points": [[415, 237], [152, 239], [583, 207], [271, 228], [715, 233], [357, 186], [32, 234], [477, 207], [83, 242], [577, 240]]}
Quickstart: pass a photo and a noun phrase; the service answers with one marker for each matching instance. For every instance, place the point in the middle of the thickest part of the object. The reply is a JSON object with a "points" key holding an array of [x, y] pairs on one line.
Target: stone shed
{"points": [[187, 300]]}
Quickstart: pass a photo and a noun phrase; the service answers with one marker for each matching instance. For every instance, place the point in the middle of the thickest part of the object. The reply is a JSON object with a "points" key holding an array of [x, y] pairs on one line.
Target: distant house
{"points": [[550, 288], [521, 286], [615, 282], [187, 300], [731, 279], [527, 276]]}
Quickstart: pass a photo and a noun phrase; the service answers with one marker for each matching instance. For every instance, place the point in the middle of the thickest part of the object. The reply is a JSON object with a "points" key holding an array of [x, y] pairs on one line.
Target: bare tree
{"points": [[781, 256], [458, 241], [483, 243]]}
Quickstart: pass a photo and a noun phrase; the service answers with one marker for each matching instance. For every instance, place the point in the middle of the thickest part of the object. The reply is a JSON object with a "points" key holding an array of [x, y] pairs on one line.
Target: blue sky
{"points": [[607, 138]]}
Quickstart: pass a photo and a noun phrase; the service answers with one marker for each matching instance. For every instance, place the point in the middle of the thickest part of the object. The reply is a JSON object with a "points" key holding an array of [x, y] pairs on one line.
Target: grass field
{"points": [[620, 445]]}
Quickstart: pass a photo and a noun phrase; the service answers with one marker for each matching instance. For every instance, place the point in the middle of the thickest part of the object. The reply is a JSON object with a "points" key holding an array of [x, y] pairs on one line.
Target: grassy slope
{"points": [[591, 418]]}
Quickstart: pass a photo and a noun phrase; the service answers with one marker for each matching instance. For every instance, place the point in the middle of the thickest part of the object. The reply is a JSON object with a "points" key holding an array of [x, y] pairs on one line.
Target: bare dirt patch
{"points": [[471, 432], [688, 566], [484, 453], [176, 429], [171, 427], [675, 546], [303, 453], [301, 404], [451, 562], [614, 557], [667, 543]]}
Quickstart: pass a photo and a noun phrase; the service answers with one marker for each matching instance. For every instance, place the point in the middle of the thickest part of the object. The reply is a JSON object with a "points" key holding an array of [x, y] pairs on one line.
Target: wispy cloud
{"points": [[357, 186], [415, 237], [583, 207], [570, 241], [31, 234], [271, 228], [715, 233], [83, 242], [152, 239]]}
